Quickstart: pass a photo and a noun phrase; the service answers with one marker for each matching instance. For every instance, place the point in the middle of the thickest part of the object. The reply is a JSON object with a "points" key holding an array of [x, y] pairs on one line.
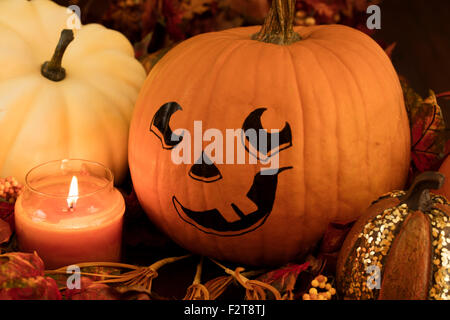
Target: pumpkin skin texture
{"points": [[408, 244], [86, 115], [342, 99]]}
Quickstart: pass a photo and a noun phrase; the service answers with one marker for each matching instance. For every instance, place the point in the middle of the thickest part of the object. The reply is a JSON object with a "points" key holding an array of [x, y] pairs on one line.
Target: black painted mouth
{"points": [[262, 194]]}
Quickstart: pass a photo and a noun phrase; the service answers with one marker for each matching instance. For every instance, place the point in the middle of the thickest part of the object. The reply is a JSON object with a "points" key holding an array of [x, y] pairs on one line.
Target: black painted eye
{"points": [[161, 128], [205, 170], [261, 143]]}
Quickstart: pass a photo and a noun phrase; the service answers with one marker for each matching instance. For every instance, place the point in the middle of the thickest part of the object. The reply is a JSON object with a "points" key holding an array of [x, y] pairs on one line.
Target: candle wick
{"points": [[71, 207]]}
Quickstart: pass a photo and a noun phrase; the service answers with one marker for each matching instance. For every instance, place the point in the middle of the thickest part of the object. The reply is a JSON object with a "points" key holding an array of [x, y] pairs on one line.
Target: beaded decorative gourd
{"points": [[399, 249]]}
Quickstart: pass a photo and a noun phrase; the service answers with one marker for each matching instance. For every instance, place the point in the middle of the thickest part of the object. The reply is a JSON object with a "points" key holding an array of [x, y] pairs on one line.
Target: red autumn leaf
{"points": [[22, 277], [334, 237], [284, 279], [132, 205], [173, 17], [445, 95], [429, 143], [7, 213], [328, 10], [92, 291], [37, 288], [20, 265], [329, 248], [331, 245], [5, 231]]}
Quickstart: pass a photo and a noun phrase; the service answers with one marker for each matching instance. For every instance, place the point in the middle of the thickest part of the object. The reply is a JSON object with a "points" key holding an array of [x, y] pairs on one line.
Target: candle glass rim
{"points": [[109, 178]]}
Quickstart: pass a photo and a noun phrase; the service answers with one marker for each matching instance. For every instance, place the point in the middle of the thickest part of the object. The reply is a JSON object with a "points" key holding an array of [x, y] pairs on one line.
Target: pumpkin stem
{"points": [[418, 196], [52, 69], [278, 28]]}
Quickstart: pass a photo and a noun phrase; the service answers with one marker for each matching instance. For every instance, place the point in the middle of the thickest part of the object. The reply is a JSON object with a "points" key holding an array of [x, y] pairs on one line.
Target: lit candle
{"points": [[70, 212]]}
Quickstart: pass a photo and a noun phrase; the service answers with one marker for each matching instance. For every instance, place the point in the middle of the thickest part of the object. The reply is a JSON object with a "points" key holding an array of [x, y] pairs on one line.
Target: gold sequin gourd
{"points": [[399, 249]]}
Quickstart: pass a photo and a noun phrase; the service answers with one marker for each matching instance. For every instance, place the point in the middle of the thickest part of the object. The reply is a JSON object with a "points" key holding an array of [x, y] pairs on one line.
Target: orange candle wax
{"points": [[70, 212]]}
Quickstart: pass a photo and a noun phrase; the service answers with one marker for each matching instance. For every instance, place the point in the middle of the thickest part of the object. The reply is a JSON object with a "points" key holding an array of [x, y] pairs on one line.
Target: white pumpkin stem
{"points": [[52, 69], [278, 27], [418, 196]]}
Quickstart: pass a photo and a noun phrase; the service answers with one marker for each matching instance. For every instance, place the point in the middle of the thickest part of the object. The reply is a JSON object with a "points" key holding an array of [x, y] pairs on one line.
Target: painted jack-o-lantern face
{"points": [[343, 139], [262, 191]]}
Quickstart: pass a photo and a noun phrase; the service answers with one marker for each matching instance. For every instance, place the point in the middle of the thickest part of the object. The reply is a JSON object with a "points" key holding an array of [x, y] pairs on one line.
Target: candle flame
{"points": [[73, 193]]}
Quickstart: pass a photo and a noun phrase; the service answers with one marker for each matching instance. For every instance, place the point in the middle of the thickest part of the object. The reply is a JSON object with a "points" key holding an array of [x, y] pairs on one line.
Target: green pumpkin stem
{"points": [[418, 196], [52, 69], [278, 28]]}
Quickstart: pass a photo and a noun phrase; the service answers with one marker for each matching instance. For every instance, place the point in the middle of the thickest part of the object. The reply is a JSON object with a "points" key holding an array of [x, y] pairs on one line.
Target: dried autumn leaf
{"points": [[136, 293], [140, 48], [390, 49], [284, 279], [89, 290], [218, 285], [357, 5], [96, 274], [22, 277], [428, 136], [101, 271], [316, 264], [252, 10], [150, 60], [127, 18], [360, 5], [193, 7]]}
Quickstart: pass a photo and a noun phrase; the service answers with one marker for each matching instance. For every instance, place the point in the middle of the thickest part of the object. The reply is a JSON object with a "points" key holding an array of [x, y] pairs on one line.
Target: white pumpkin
{"points": [[85, 115]]}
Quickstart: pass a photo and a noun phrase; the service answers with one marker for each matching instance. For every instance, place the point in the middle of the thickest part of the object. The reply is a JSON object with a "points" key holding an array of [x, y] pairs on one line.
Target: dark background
{"points": [[422, 31]]}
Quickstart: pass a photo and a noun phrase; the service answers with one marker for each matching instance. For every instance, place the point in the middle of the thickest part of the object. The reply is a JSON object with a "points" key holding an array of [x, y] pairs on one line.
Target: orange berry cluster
{"points": [[320, 282], [10, 189], [129, 3], [302, 19]]}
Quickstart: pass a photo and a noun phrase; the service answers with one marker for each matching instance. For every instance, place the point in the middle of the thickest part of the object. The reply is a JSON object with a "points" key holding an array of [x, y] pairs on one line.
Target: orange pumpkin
{"points": [[445, 169], [344, 137]]}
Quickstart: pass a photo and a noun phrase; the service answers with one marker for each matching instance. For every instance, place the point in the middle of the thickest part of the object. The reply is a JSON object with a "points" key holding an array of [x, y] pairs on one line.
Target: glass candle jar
{"points": [[70, 212]]}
